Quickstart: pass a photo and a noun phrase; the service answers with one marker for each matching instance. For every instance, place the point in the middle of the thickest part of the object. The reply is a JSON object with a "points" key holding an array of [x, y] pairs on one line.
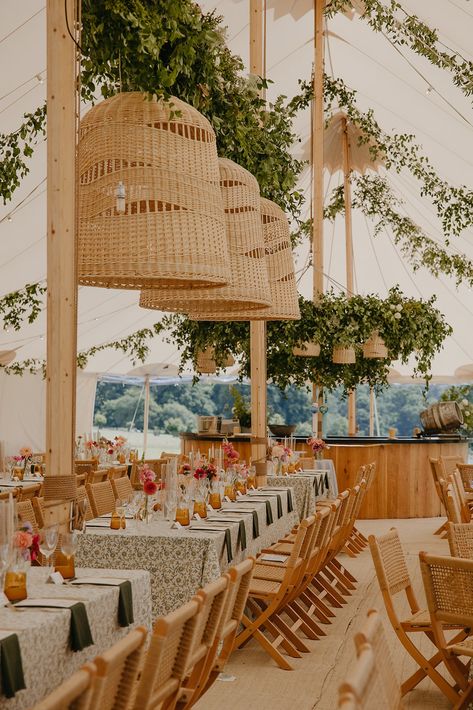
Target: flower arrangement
{"points": [[185, 469], [23, 457], [26, 542], [148, 480], [317, 445], [283, 453], [230, 454], [205, 471]]}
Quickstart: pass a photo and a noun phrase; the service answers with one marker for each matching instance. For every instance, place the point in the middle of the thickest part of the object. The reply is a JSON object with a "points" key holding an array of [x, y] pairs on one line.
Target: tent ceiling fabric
{"points": [[368, 63]]}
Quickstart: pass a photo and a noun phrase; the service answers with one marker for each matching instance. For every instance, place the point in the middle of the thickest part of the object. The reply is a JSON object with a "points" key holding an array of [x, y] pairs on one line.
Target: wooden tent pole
{"points": [[318, 181], [146, 416], [258, 374], [371, 429], [61, 365], [348, 256]]}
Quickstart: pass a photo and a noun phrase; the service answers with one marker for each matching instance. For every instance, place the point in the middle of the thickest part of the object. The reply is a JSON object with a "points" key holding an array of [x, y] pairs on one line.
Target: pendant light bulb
{"points": [[120, 195]]}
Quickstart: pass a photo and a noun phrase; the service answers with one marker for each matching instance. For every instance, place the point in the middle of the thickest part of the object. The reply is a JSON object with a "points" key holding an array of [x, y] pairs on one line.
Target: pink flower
{"points": [[23, 539], [26, 452], [147, 474], [110, 451], [150, 487]]}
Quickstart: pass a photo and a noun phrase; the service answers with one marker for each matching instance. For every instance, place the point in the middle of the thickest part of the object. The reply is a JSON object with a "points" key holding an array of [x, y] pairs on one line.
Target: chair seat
{"points": [[462, 648], [420, 618], [269, 572], [281, 548], [263, 588]]}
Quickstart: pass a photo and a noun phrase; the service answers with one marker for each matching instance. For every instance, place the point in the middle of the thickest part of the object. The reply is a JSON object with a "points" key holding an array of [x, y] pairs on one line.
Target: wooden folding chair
{"points": [[353, 545], [364, 687], [452, 503], [101, 498], [393, 578], [466, 473], [29, 492], [75, 693], [239, 586], [460, 539], [84, 467], [438, 475], [155, 464], [448, 584], [115, 683], [449, 464], [117, 472], [25, 512], [465, 502], [38, 509], [267, 595], [122, 488], [98, 475], [166, 659], [5, 495]]}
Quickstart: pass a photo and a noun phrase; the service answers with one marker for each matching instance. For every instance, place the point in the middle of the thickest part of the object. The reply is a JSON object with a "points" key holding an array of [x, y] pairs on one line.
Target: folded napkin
{"points": [[269, 513], [275, 494], [228, 537], [125, 596], [81, 636], [242, 535], [290, 505], [11, 667]]}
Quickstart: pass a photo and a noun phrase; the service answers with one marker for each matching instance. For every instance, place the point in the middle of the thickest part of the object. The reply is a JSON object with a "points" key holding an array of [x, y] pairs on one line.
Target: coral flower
{"points": [[150, 487], [23, 539]]}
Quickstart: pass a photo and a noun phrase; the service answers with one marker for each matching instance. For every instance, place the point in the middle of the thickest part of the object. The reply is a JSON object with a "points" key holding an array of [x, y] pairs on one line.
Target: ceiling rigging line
{"points": [[404, 81], [422, 76], [452, 2], [12, 32], [371, 241], [27, 81], [21, 253], [22, 204], [15, 101]]}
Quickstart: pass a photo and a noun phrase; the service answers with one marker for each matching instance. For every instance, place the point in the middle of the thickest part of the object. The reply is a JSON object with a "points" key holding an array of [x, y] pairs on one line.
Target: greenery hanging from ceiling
{"points": [[21, 305], [373, 195], [15, 150], [404, 29], [409, 327], [135, 346]]}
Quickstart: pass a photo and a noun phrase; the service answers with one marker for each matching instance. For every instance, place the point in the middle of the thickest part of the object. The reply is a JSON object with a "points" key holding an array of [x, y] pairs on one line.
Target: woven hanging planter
{"points": [[150, 208], [282, 280], [307, 350], [248, 286], [344, 356], [375, 347], [205, 362]]}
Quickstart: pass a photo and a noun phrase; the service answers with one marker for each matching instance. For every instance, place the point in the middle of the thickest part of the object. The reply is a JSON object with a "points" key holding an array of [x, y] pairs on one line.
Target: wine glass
{"points": [[47, 543], [69, 543], [120, 508]]}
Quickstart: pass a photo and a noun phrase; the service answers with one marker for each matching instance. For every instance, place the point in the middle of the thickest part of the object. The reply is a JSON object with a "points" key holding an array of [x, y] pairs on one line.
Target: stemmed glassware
{"points": [[48, 538]]}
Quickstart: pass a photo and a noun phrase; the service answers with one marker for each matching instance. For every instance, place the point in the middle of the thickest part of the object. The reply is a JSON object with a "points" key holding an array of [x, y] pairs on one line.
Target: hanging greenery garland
{"points": [[21, 305], [405, 29], [409, 327], [374, 197], [16, 148]]}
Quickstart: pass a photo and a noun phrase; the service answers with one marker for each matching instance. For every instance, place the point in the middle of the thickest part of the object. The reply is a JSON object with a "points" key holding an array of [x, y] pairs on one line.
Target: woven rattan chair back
{"points": [[166, 660], [81, 479], [448, 464], [456, 480], [460, 539], [101, 498], [75, 693], [97, 476], [364, 688], [81, 495], [452, 502], [466, 473], [391, 571], [86, 467], [29, 492], [373, 634], [25, 512], [122, 488], [118, 670], [157, 465], [117, 472], [164, 153], [38, 509]]}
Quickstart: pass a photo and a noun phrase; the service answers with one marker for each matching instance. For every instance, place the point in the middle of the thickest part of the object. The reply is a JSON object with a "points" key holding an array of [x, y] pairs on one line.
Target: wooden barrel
{"points": [[443, 416]]}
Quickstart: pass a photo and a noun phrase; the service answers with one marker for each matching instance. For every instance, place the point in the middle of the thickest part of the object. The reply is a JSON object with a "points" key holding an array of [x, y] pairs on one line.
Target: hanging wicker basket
{"points": [[344, 356], [307, 350], [206, 364], [280, 263], [375, 347], [148, 181], [248, 286]]}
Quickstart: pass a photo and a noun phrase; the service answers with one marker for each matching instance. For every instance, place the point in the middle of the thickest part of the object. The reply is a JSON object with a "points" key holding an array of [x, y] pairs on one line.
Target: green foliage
{"points": [[408, 327], [21, 304], [16, 148], [402, 28], [373, 196], [463, 394], [241, 407]]}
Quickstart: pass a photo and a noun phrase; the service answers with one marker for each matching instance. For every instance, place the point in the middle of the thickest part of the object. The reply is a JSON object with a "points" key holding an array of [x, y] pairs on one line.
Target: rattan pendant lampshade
{"points": [[375, 347], [150, 207], [248, 286], [206, 364], [282, 280]]}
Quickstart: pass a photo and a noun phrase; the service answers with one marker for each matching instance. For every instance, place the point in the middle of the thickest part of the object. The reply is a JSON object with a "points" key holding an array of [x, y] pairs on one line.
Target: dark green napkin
{"points": [[81, 636], [290, 505], [125, 604], [255, 524], [316, 485], [228, 545], [269, 513], [242, 534], [326, 482], [279, 497], [11, 667]]}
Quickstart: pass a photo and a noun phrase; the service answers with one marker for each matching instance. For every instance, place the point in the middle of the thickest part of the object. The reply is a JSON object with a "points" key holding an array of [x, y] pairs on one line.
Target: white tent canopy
{"points": [[385, 81]]}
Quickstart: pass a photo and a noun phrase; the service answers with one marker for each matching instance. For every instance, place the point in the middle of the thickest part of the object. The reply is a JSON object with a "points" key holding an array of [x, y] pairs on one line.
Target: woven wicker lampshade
{"points": [[375, 347], [248, 286], [344, 356], [307, 350], [205, 361], [282, 280], [150, 208]]}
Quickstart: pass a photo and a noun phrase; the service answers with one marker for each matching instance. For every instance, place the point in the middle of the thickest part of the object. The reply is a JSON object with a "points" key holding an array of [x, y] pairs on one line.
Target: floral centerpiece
{"points": [[150, 488], [317, 446], [22, 459], [26, 542], [230, 454], [185, 469], [206, 471]]}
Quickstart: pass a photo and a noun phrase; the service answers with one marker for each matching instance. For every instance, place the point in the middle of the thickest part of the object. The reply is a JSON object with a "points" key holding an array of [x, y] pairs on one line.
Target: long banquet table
{"points": [[181, 561], [308, 489], [44, 634]]}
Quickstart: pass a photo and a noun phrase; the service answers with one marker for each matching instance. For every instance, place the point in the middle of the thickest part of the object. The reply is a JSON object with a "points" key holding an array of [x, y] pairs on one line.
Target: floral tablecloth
{"points": [[182, 561], [44, 634], [307, 490]]}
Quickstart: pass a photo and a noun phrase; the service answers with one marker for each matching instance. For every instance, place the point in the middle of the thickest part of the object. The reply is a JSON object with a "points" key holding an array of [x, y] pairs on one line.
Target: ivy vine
{"points": [[26, 303], [16, 148]]}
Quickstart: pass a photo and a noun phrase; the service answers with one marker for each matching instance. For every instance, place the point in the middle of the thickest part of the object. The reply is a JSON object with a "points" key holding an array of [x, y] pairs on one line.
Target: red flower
{"points": [[150, 488]]}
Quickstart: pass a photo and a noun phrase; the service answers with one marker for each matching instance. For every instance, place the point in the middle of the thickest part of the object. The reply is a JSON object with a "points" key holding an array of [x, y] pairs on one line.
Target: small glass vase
{"points": [[15, 585], [145, 513]]}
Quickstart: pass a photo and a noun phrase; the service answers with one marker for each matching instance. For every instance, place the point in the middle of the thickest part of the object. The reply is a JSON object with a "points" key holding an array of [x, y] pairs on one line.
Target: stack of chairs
{"points": [[187, 650]]}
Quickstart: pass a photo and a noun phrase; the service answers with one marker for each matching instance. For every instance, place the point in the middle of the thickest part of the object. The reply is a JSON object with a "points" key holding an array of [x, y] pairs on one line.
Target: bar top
{"points": [[336, 440]]}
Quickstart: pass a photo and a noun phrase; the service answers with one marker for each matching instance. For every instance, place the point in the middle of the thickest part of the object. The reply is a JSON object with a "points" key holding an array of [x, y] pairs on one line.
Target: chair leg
{"points": [[346, 574], [317, 606], [289, 634], [322, 585], [306, 619]]}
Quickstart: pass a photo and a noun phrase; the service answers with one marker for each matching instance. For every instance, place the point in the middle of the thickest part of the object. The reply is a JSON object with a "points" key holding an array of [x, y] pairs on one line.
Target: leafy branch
{"points": [[24, 303], [16, 148]]}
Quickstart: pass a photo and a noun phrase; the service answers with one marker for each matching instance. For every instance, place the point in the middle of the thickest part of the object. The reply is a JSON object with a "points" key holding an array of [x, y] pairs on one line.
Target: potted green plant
{"points": [[241, 409]]}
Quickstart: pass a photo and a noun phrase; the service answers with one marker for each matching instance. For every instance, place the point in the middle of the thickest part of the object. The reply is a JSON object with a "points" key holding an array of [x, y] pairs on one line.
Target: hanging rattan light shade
{"points": [[206, 364], [375, 347], [150, 208], [307, 349], [280, 262], [344, 355], [248, 286]]}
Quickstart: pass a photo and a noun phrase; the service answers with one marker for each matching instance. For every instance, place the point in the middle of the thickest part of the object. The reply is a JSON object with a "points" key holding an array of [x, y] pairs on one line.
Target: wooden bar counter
{"points": [[403, 486]]}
